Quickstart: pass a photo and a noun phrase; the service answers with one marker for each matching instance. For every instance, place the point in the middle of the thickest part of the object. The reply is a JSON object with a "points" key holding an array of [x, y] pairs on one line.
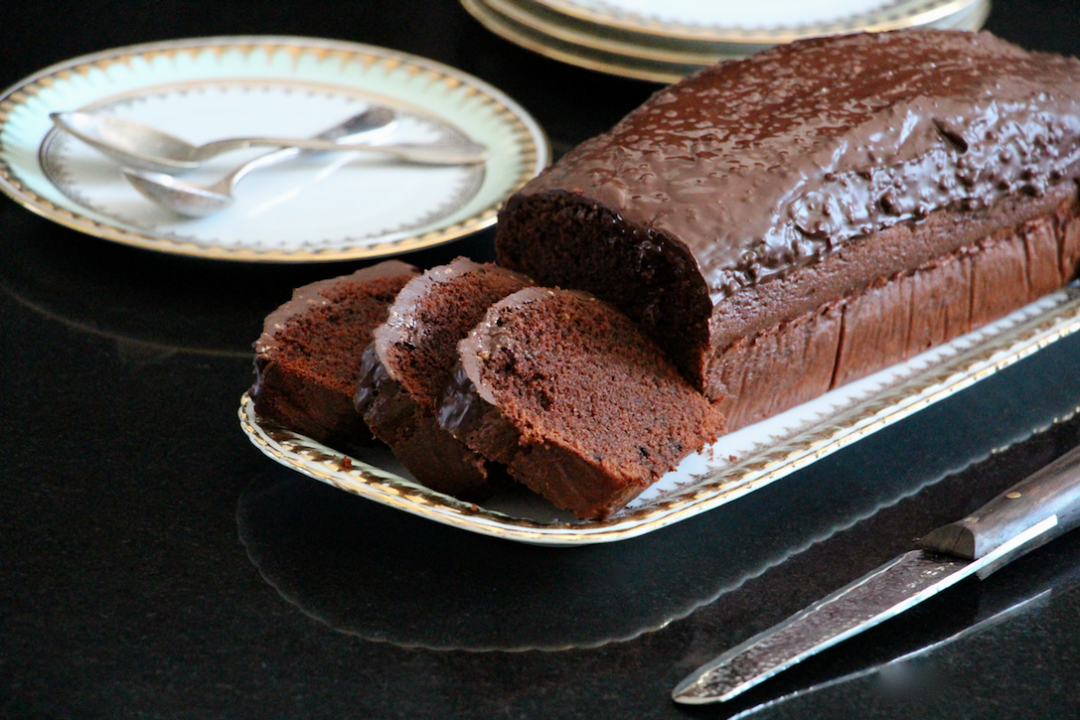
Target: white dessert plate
{"points": [[765, 21], [535, 26], [316, 208], [737, 464], [573, 53]]}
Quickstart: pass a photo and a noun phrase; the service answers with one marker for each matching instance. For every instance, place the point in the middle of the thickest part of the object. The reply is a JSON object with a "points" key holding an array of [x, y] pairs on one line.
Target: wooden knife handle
{"points": [[1053, 490]]}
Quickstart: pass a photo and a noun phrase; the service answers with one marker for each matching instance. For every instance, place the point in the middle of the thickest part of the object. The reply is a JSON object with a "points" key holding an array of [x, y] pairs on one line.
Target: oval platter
{"points": [[739, 463]]}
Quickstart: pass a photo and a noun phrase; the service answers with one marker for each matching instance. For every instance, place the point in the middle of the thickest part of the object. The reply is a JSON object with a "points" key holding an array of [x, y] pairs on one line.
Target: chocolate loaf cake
{"points": [[408, 366], [579, 405], [792, 221], [307, 359]]}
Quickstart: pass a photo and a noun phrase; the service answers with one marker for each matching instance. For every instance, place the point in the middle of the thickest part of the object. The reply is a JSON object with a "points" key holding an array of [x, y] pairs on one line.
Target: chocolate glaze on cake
{"points": [[897, 317], [579, 405], [408, 365], [772, 191], [308, 357]]}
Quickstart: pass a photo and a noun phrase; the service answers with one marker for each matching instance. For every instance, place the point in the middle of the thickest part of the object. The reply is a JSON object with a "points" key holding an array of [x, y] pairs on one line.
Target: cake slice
{"points": [[307, 359], [407, 367], [578, 404]]}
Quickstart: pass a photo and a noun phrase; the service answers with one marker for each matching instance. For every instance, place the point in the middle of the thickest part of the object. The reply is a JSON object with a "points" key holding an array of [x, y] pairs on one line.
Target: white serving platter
{"points": [[737, 464]]}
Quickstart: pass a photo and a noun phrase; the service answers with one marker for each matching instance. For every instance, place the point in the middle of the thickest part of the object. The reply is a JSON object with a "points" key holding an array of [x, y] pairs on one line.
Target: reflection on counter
{"points": [[384, 575], [202, 307], [899, 656], [899, 659]]}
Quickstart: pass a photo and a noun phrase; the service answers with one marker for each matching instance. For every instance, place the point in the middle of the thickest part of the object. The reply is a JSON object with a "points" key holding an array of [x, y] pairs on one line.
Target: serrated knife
{"points": [[1024, 517]]}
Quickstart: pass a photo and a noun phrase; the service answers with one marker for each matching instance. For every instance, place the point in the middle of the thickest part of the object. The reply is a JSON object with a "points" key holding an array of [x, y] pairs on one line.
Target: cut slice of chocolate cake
{"points": [[575, 400], [307, 359], [408, 365]]}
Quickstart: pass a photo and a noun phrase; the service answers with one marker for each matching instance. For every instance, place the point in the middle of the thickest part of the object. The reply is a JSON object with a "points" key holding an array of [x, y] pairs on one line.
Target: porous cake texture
{"points": [[307, 359], [408, 366], [576, 402]]}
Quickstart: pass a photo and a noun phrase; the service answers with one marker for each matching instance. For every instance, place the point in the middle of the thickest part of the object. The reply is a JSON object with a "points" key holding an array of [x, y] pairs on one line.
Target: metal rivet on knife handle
{"points": [[1053, 490]]}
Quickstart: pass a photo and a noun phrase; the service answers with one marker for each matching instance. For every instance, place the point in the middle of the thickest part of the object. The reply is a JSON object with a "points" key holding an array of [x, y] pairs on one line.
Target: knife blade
{"points": [[1024, 517], [899, 661]]}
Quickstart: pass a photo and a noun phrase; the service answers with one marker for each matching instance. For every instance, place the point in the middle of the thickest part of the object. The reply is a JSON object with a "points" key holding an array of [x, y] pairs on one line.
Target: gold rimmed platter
{"points": [[316, 208], [737, 464]]}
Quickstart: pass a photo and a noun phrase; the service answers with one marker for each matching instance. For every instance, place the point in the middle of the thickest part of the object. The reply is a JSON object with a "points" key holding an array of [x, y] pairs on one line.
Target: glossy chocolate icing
{"points": [[372, 374], [409, 325], [758, 166], [462, 407], [314, 295]]}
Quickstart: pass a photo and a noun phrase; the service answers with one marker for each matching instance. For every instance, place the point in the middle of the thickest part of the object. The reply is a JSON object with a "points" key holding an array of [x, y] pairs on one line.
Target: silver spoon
{"points": [[136, 145], [186, 198]]}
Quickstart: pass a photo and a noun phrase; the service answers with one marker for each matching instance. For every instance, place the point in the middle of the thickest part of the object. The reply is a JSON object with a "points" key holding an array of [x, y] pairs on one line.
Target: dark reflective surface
{"points": [[900, 658], [371, 571], [901, 655], [171, 303], [154, 564]]}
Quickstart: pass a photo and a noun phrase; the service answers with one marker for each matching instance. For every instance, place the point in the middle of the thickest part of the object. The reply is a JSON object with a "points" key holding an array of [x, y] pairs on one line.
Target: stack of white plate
{"points": [[664, 40]]}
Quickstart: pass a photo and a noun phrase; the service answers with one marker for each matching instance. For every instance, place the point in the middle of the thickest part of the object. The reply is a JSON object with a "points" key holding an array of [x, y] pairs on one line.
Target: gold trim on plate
{"points": [[890, 16], [634, 54], [556, 49], [20, 94]]}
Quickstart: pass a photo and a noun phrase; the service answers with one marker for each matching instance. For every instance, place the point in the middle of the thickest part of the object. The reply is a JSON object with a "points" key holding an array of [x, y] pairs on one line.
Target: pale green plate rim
{"points": [[25, 105]]}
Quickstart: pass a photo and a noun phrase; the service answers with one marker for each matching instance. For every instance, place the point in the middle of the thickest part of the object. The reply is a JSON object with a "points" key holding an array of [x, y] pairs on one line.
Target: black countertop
{"points": [[153, 564]]}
